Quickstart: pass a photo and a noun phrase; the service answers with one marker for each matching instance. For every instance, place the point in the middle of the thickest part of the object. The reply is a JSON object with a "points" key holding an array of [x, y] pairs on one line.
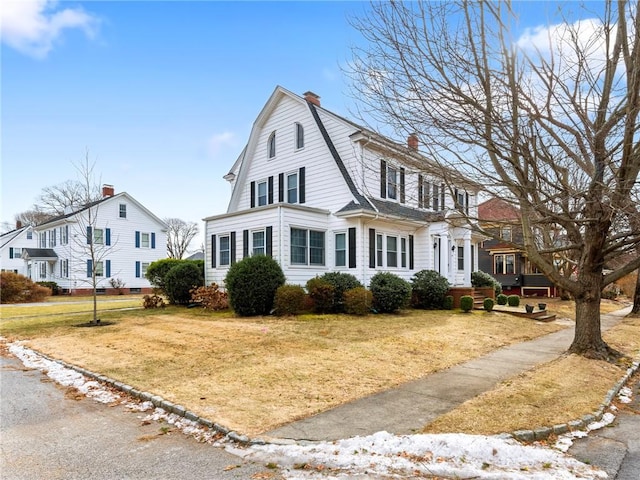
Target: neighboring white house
{"points": [[319, 193], [11, 245], [126, 238]]}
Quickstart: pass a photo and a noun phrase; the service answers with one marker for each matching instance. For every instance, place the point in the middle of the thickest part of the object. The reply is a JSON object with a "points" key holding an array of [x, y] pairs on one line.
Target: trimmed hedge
{"points": [[322, 294], [16, 288], [502, 299], [513, 300], [466, 303], [289, 300], [448, 303], [341, 282], [487, 304], [180, 280], [358, 301], [428, 289]]}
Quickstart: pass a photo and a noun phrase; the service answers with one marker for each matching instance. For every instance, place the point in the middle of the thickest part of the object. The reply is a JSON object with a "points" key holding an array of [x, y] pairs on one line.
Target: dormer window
{"points": [[462, 200], [271, 146], [299, 136], [391, 182]]}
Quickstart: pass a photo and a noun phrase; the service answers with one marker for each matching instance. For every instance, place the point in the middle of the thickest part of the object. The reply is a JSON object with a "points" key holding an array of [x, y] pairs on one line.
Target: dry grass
{"points": [[66, 305], [255, 374], [546, 395]]}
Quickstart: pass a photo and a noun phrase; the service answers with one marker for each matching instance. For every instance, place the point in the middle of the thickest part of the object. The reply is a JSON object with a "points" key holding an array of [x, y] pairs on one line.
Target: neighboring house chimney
{"points": [[312, 97], [107, 191], [18, 224], [413, 142]]}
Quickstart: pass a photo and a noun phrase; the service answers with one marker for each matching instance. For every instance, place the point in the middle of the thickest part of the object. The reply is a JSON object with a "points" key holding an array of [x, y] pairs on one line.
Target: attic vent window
{"points": [[271, 145], [299, 136]]}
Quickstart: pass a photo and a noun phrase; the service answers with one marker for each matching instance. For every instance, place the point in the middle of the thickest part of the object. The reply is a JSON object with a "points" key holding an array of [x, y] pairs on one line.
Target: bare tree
{"points": [[179, 236], [548, 121], [70, 194], [33, 217]]}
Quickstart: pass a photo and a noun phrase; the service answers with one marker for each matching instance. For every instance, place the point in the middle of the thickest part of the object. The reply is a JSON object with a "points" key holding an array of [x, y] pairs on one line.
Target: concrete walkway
{"points": [[407, 408]]}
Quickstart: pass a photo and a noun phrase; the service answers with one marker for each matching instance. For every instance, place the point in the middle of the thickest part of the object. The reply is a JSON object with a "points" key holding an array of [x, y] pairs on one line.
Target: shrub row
{"points": [[16, 288]]}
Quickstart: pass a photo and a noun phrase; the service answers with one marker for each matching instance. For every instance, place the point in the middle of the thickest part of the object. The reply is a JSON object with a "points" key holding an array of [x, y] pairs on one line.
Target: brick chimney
{"points": [[312, 98], [107, 190], [18, 224], [413, 142]]}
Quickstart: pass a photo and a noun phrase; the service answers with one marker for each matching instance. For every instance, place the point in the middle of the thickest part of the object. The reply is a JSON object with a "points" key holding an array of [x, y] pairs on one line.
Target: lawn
{"points": [[254, 374]]}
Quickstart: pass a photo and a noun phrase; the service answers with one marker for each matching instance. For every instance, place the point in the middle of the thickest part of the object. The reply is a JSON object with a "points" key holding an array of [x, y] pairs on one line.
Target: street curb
{"points": [[542, 433]]}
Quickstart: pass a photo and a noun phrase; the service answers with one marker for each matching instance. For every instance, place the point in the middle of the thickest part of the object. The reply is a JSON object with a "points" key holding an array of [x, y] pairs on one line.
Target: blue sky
{"points": [[162, 95]]}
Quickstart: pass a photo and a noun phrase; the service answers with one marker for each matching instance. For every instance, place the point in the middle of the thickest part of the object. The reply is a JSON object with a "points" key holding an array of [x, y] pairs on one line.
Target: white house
{"points": [[125, 238], [11, 245], [319, 193]]}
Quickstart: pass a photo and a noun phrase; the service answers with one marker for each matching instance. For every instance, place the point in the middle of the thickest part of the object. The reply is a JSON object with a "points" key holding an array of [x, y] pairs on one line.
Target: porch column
{"points": [[467, 262]]}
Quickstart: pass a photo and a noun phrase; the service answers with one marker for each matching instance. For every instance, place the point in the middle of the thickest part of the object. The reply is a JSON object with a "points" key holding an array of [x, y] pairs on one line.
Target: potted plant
{"points": [[542, 306], [528, 308]]}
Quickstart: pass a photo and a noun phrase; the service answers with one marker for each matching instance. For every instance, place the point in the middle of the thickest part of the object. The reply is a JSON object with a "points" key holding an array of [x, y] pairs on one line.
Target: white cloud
{"points": [[33, 26], [220, 140]]}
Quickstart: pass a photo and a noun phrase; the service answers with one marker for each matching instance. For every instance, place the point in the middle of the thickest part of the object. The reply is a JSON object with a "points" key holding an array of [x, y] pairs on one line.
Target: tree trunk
{"points": [[636, 296]]}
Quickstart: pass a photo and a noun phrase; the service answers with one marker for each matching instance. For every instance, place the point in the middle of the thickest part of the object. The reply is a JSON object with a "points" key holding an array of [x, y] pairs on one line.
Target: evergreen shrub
{"points": [[447, 304], [502, 299], [513, 300], [487, 304], [252, 283], [322, 294], [483, 279], [341, 282], [466, 303], [390, 292], [180, 280], [428, 289]]}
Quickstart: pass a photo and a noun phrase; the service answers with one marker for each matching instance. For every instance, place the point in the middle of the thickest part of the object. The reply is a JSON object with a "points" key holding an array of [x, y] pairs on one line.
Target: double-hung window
{"points": [[392, 251], [292, 188], [225, 250], [505, 233], [262, 193], [341, 249], [504, 264], [258, 242], [99, 269], [403, 252], [392, 182], [379, 250], [98, 236], [307, 247], [144, 240], [123, 210], [460, 258]]}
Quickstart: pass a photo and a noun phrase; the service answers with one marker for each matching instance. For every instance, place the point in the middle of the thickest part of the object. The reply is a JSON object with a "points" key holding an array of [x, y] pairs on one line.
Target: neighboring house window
{"points": [[15, 252], [392, 251], [123, 210], [100, 269], [258, 245], [64, 268], [504, 264], [29, 235], [292, 188], [307, 247], [43, 270], [64, 235], [505, 233], [143, 269], [225, 250], [144, 240], [52, 238], [98, 235], [299, 136], [424, 191], [379, 250], [43, 240], [341, 249], [262, 193], [460, 258], [271, 145]]}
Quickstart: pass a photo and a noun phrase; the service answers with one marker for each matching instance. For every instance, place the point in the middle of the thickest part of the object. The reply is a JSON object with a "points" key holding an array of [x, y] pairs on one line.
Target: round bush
{"points": [[428, 289], [502, 299], [483, 279], [513, 300], [390, 292], [179, 281], [358, 301], [16, 288], [466, 303], [488, 304], [447, 304], [341, 282], [252, 283], [157, 271], [322, 295], [289, 300]]}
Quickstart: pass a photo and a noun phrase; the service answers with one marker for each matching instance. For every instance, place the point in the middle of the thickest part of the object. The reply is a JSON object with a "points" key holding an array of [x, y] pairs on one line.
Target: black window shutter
{"points": [[270, 187], [89, 235], [10, 252], [233, 247], [213, 251], [372, 248], [442, 196], [410, 252], [268, 241], [466, 202], [401, 185], [253, 194], [302, 184], [245, 243], [420, 191], [456, 204], [383, 179], [281, 187], [352, 247]]}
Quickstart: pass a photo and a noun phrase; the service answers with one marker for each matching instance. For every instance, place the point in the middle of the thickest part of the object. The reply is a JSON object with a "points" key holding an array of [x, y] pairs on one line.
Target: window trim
{"points": [[252, 247], [288, 190], [122, 210], [260, 183], [391, 254], [226, 236], [503, 257], [503, 230], [343, 251], [460, 257]]}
